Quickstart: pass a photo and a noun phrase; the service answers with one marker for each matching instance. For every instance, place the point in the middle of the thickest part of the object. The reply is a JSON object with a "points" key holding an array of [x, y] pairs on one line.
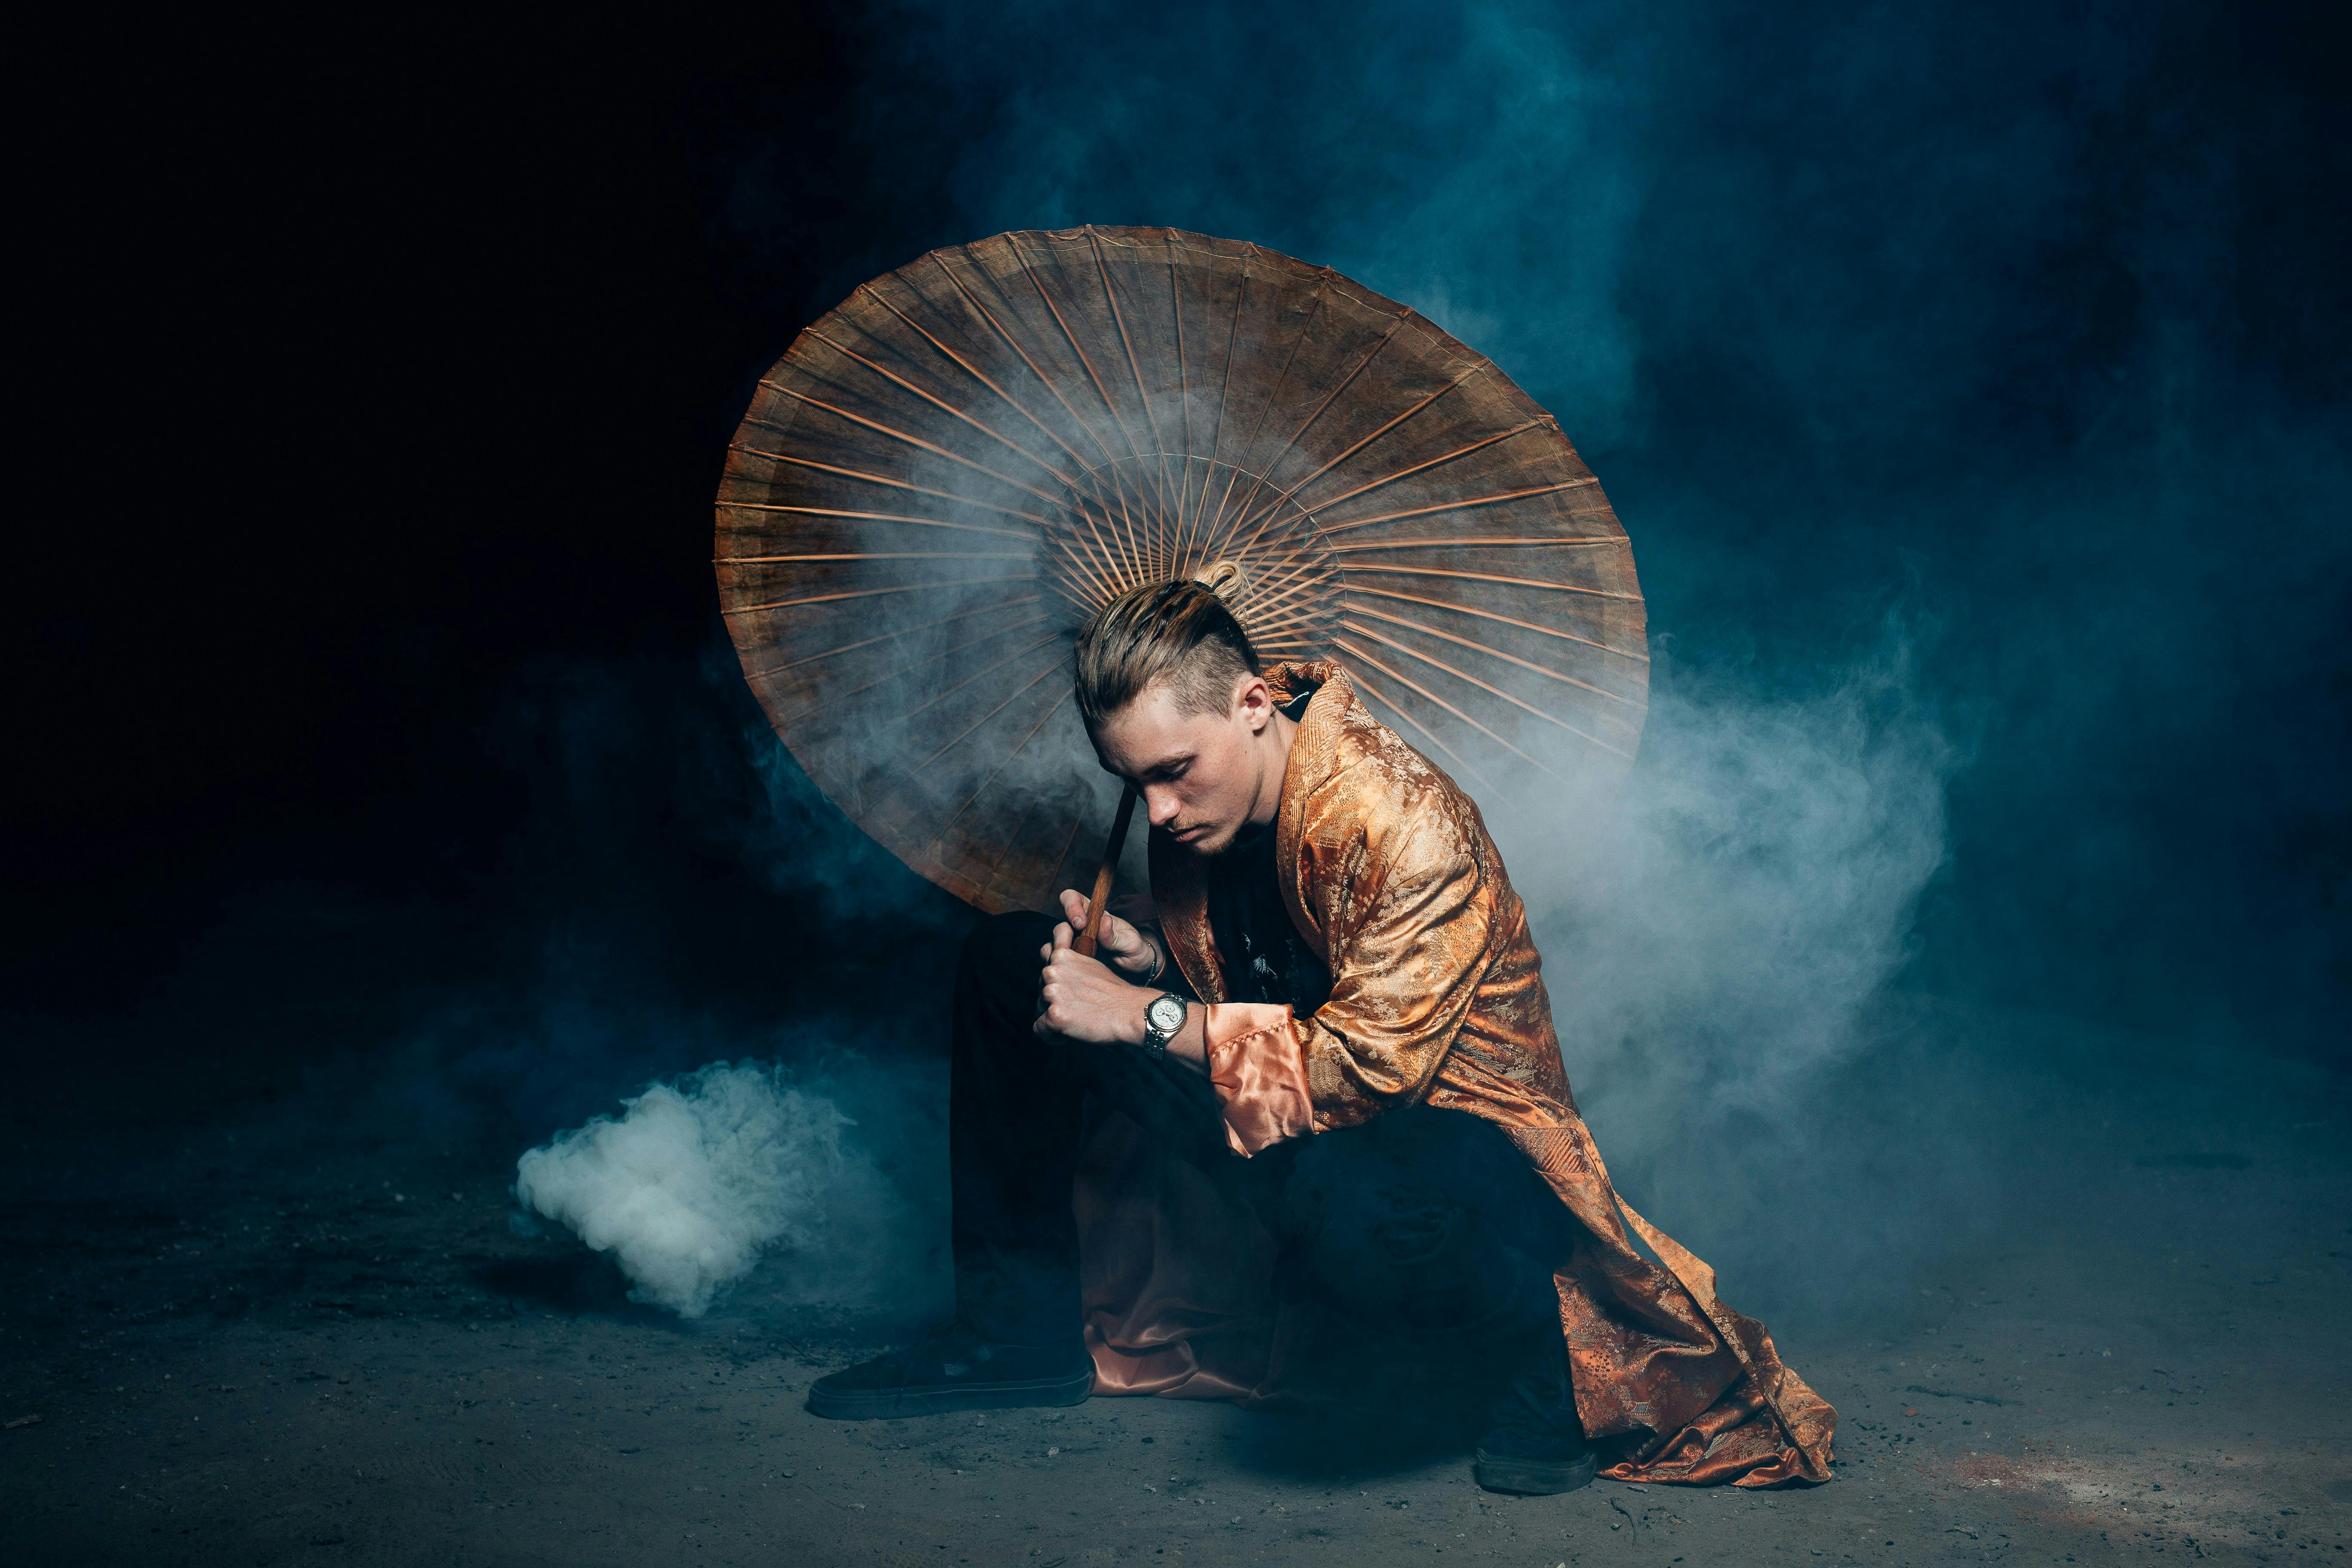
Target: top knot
{"points": [[1225, 579]]}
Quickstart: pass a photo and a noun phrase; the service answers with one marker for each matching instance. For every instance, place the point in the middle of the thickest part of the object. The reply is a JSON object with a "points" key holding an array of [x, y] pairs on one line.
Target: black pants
{"points": [[1425, 1229]]}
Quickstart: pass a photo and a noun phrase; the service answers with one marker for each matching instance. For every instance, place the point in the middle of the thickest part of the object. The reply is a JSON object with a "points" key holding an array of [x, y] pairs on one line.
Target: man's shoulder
{"points": [[1369, 783]]}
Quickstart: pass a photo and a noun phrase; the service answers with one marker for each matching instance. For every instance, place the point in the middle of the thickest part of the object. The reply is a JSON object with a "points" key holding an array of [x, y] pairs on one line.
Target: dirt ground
{"points": [[286, 1335]]}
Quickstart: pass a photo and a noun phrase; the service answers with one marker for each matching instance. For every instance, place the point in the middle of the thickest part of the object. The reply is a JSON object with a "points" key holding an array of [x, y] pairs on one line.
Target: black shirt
{"points": [[1263, 957]]}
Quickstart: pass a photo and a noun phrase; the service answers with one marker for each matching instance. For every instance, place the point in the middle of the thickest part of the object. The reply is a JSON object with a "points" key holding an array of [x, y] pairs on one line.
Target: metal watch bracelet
{"points": [[1163, 1018]]}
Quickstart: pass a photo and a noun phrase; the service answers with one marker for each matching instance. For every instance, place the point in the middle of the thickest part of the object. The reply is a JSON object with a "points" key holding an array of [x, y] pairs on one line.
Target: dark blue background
{"points": [[377, 384]]}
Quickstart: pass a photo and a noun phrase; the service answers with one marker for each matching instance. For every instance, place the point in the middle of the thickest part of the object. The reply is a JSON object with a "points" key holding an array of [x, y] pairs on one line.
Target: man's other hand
{"points": [[1086, 1000], [1121, 945]]}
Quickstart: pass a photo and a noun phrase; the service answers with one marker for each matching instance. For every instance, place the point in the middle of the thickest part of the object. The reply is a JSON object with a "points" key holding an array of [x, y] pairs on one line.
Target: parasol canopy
{"points": [[946, 475]]}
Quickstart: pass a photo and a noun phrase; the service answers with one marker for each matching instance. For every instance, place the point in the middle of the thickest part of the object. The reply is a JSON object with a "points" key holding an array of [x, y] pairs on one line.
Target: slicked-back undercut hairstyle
{"points": [[1178, 633]]}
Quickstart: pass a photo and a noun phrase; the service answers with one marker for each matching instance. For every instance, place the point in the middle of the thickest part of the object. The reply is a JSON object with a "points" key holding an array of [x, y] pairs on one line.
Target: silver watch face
{"points": [[1165, 1015]]}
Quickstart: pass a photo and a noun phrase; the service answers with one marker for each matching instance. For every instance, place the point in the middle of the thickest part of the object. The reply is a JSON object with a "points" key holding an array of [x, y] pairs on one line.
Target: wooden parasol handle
{"points": [[1087, 938]]}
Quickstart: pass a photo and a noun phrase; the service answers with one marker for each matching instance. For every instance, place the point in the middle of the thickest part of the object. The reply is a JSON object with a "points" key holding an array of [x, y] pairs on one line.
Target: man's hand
{"points": [[1085, 1000], [1119, 945]]}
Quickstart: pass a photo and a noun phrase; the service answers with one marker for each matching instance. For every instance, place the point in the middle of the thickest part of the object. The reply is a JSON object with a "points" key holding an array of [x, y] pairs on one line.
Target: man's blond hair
{"points": [[1180, 633]]}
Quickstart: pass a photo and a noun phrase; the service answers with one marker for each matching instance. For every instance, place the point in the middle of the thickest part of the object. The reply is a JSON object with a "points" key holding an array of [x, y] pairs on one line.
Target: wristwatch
{"points": [[1163, 1016]]}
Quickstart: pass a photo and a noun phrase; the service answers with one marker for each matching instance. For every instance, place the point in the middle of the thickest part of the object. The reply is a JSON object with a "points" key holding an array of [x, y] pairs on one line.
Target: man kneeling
{"points": [[1337, 1019]]}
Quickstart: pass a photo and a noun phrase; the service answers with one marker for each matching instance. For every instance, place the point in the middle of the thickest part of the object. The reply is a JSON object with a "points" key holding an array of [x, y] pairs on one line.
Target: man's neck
{"points": [[1278, 735]]}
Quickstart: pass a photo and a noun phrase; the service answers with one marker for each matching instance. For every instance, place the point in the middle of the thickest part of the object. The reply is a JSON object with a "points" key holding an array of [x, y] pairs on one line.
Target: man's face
{"points": [[1203, 775]]}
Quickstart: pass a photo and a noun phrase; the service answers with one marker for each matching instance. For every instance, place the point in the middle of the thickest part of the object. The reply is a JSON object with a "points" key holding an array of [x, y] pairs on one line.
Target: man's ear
{"points": [[1254, 702]]}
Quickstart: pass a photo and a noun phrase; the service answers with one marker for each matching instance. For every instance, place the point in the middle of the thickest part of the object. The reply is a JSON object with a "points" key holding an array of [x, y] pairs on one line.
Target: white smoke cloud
{"points": [[1714, 937], [696, 1181], [1719, 945]]}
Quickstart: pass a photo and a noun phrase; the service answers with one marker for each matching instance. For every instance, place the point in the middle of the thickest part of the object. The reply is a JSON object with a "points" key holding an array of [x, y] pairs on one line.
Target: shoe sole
{"points": [[883, 1403], [1534, 1478]]}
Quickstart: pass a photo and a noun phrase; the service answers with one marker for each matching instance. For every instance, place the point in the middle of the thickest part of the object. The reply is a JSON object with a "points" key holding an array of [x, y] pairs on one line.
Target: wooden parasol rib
{"points": [[940, 481]]}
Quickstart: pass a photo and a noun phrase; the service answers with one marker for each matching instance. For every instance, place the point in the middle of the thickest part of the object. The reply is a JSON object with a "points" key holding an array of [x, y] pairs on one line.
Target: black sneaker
{"points": [[1534, 1445], [955, 1369]]}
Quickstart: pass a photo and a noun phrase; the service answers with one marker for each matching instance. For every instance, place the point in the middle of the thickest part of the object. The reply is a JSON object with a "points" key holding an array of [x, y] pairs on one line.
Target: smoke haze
{"points": [[1995, 355], [400, 856], [1969, 380], [694, 1182], [1751, 892], [1916, 441]]}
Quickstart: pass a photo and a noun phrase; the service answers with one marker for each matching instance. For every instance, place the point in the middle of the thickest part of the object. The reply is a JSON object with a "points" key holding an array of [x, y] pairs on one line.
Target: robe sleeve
{"points": [[1403, 981], [1259, 1073]]}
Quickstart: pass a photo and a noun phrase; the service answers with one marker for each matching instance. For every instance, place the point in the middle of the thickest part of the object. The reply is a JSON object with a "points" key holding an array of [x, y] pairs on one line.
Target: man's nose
{"points": [[1159, 805]]}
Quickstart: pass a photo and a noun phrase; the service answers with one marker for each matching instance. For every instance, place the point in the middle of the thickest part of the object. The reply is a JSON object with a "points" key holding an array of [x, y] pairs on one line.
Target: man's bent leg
{"points": [[1014, 1104], [1014, 1112], [1428, 1230]]}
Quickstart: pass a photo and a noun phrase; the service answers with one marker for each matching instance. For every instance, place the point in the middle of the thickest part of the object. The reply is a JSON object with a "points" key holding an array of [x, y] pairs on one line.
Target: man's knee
{"points": [[1411, 1260], [1381, 1230]]}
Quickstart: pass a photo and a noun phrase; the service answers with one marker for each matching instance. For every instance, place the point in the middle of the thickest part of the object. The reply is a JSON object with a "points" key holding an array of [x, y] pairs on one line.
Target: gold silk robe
{"points": [[1437, 998]]}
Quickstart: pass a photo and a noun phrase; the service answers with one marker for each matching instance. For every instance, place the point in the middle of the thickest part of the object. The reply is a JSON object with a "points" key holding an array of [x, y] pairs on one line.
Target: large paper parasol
{"points": [[942, 478]]}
